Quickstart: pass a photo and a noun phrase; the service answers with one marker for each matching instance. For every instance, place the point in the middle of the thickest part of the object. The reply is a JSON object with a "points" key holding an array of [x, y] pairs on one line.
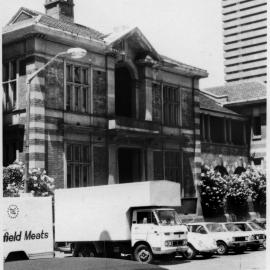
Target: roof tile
{"points": [[210, 104], [240, 91]]}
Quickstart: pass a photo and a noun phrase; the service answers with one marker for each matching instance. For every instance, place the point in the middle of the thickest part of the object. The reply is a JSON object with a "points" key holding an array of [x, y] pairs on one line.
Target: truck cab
{"points": [[156, 231]]}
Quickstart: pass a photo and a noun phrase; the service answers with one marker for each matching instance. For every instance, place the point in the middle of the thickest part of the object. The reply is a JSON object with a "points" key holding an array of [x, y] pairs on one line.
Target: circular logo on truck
{"points": [[13, 211]]}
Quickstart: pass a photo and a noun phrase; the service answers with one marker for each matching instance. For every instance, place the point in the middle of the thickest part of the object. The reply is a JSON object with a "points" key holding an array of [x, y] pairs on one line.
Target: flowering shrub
{"points": [[256, 180], [237, 195], [232, 191], [38, 183], [213, 189], [13, 183]]}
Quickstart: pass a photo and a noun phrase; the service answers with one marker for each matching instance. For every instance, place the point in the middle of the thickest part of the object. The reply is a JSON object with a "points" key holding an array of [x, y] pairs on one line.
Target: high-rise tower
{"points": [[245, 40]]}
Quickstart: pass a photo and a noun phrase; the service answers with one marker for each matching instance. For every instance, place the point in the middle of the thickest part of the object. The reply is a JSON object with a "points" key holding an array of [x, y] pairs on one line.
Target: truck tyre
{"points": [[190, 253], [85, 251], [222, 248], [143, 254]]}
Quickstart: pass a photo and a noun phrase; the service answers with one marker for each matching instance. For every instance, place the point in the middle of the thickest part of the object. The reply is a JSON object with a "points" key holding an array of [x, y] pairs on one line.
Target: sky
{"points": [[189, 31]]}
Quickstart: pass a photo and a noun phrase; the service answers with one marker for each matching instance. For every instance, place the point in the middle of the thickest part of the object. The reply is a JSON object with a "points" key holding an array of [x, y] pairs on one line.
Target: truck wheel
{"points": [[222, 248], [86, 251], [143, 254], [190, 253]]}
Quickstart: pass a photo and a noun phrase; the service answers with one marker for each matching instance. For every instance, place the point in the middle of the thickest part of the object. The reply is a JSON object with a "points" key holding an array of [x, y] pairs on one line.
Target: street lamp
{"points": [[74, 53]]}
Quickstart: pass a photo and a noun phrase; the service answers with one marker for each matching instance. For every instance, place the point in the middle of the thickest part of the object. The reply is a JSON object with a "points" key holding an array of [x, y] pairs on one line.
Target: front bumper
{"points": [[237, 244], [169, 250], [254, 243]]}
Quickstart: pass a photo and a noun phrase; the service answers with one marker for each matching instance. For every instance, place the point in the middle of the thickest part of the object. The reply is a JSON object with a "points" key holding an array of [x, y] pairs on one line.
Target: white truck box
{"points": [[28, 227], [101, 212]]}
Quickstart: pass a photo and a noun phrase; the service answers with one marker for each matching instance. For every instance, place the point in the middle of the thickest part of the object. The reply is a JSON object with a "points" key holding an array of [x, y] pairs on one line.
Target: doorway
{"points": [[129, 165]]}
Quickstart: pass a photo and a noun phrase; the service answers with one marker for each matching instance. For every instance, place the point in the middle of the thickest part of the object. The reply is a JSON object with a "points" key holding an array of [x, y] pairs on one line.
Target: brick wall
{"points": [[54, 82], [156, 103], [187, 108], [99, 93]]}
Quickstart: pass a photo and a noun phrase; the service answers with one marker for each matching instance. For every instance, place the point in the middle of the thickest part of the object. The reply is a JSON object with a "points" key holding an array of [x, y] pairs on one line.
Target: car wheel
{"points": [[143, 254], [207, 255], [222, 248], [190, 253]]}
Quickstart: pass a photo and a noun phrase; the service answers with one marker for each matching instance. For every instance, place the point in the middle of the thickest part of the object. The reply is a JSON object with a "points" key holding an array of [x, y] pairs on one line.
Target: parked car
{"points": [[253, 227], [260, 221], [200, 244], [225, 240], [253, 238]]}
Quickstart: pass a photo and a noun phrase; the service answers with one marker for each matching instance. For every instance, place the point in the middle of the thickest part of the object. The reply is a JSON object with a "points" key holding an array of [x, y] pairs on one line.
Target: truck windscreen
{"points": [[168, 217]]}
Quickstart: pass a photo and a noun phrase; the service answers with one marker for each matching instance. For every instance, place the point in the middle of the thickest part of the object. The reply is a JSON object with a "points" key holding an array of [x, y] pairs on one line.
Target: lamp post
{"points": [[74, 53]]}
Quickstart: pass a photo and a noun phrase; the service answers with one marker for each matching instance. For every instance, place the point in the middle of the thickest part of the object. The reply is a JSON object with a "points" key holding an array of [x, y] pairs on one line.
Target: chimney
{"points": [[60, 9]]}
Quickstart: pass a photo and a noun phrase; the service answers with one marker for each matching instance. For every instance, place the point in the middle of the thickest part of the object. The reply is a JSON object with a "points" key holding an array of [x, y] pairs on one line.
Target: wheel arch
{"points": [[141, 242], [16, 255]]}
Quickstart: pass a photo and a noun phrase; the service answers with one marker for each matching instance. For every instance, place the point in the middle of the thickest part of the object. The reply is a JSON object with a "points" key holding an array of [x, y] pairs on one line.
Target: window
{"points": [[78, 165], [257, 126], [172, 166], [171, 105], [146, 217], [167, 165], [10, 85], [217, 129], [77, 88]]}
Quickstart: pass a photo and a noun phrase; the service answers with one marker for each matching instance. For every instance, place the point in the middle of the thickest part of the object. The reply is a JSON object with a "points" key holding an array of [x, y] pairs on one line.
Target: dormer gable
{"points": [[22, 14]]}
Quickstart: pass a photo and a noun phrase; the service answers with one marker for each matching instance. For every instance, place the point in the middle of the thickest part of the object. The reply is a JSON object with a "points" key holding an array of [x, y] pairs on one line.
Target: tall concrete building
{"points": [[245, 40]]}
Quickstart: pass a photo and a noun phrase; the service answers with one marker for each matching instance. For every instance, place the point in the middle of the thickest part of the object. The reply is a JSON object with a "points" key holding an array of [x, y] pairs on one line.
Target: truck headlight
{"points": [[168, 243], [252, 237], [185, 242]]}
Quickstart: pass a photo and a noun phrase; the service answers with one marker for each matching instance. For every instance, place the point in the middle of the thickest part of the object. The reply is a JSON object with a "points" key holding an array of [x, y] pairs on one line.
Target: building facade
{"points": [[246, 100], [245, 40], [123, 113]]}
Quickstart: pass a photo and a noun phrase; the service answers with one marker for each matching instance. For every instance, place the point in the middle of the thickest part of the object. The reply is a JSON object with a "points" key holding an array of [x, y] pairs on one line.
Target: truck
{"points": [[133, 219], [136, 219]]}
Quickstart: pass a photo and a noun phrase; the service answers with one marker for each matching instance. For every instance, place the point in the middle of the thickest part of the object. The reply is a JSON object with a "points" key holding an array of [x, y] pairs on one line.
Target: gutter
{"points": [[244, 102]]}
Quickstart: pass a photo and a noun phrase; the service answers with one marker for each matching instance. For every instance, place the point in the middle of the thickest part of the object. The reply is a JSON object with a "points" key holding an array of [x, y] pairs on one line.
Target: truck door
{"points": [[145, 228]]}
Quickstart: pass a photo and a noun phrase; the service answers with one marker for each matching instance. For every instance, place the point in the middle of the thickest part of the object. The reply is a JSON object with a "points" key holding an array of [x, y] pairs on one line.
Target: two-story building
{"points": [[120, 114]]}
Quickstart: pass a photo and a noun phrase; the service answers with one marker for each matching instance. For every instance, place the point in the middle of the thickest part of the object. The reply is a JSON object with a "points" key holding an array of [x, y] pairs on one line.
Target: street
{"points": [[250, 260]]}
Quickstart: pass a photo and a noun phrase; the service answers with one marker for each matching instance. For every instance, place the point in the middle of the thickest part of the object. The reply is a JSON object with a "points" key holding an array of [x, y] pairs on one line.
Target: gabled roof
{"points": [[207, 103], [134, 32], [240, 91], [176, 64], [27, 18], [25, 14]]}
